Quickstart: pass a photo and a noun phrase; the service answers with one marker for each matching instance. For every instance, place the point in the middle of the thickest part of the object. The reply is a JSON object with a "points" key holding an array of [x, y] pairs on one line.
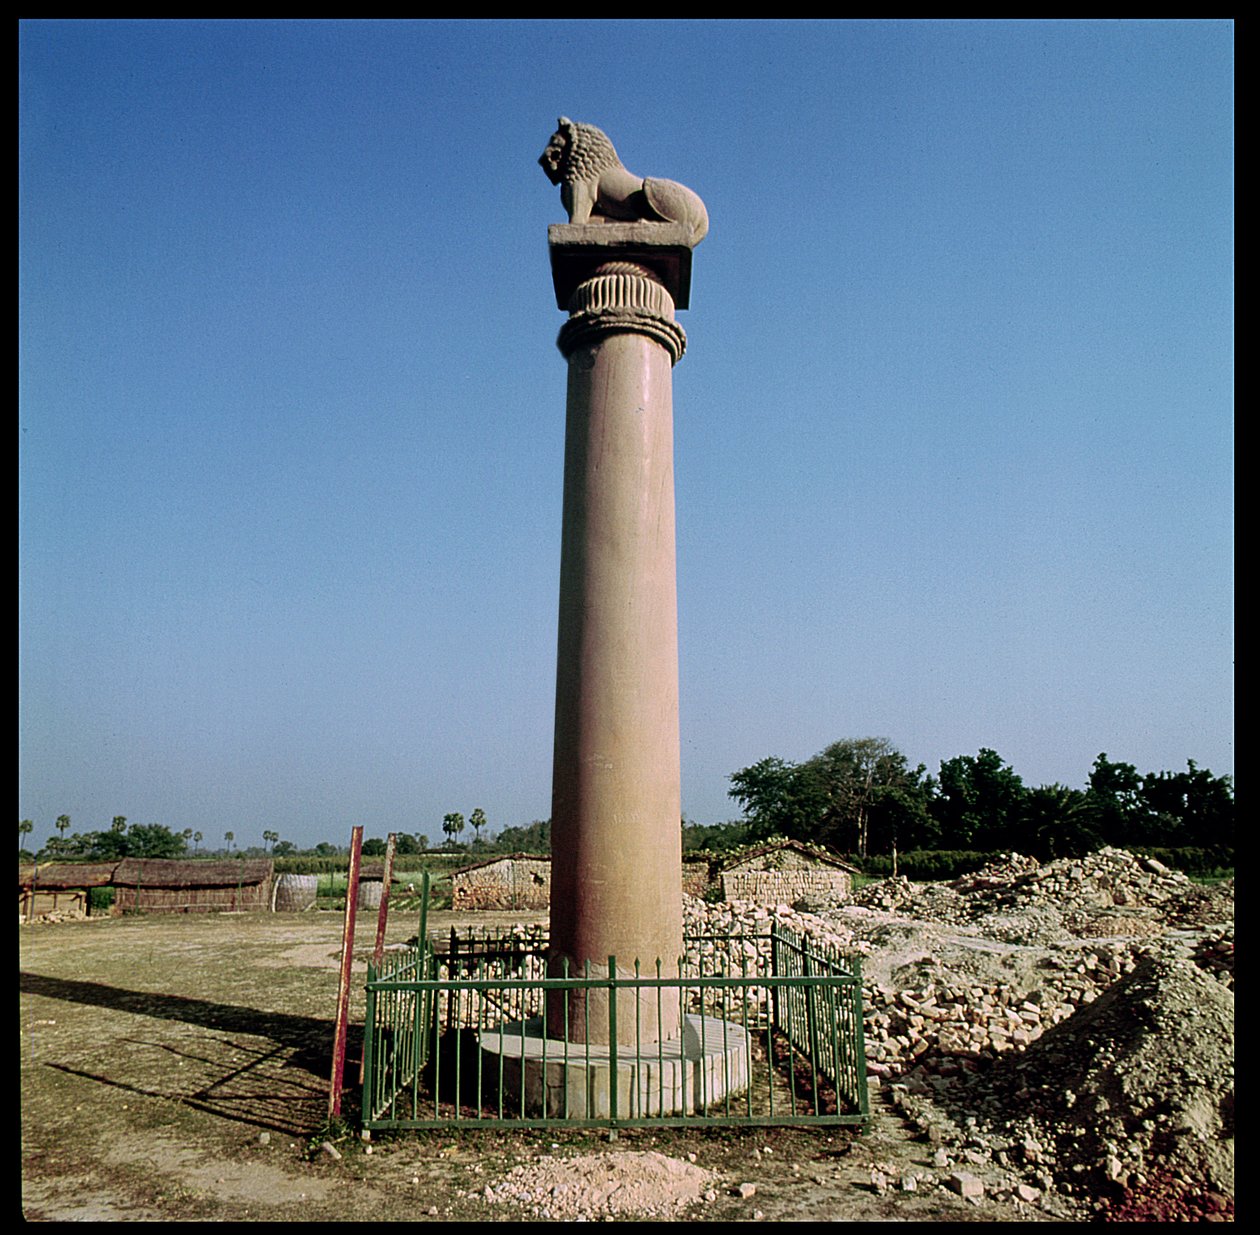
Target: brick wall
{"points": [[513, 883], [785, 887]]}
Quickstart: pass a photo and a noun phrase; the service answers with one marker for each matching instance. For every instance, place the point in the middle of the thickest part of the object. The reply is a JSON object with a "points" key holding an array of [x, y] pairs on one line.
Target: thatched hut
{"points": [[60, 887], [163, 886]]}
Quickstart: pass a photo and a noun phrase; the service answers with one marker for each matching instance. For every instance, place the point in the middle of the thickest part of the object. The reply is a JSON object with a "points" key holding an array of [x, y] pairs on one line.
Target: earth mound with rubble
{"points": [[609, 1185], [1064, 1030]]}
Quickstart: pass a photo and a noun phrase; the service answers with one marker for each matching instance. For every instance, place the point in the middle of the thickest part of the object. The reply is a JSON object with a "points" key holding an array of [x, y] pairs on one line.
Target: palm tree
{"points": [[196, 840], [25, 828], [1060, 821], [63, 822], [229, 837]]}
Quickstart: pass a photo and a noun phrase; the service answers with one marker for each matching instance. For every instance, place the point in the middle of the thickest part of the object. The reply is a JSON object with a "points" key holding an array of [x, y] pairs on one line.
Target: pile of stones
{"points": [[1033, 1020], [1110, 1106]]}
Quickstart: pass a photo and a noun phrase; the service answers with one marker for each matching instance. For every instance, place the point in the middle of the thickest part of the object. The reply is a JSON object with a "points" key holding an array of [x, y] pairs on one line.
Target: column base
{"points": [[547, 1078]]}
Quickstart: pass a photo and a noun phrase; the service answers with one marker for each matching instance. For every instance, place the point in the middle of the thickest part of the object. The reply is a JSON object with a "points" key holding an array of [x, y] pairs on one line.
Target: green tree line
{"points": [[858, 796], [861, 796]]}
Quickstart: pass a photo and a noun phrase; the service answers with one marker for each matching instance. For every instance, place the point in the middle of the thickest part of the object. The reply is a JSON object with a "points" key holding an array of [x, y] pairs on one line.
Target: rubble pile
{"points": [[1077, 888], [1139, 1085], [1070, 1024]]}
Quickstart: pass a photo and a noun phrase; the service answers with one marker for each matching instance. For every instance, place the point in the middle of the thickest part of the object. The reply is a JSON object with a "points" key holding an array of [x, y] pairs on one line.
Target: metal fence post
{"points": [[368, 1077], [612, 1042], [775, 1010], [423, 939]]}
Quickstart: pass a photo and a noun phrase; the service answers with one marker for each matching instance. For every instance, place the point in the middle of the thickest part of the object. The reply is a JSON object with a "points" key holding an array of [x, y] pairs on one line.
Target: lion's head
{"points": [[576, 153]]}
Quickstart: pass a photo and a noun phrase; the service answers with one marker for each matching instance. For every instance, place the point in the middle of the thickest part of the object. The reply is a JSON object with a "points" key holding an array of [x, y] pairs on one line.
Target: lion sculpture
{"points": [[595, 185]]}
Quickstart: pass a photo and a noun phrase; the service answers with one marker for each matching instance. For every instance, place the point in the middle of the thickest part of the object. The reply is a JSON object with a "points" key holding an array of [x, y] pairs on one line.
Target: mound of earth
{"points": [[1134, 1090], [607, 1185]]}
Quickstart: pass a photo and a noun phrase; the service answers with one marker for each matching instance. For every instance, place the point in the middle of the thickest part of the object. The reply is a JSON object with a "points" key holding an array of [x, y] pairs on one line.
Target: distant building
{"points": [[60, 887], [783, 872], [510, 881], [153, 885], [165, 886]]}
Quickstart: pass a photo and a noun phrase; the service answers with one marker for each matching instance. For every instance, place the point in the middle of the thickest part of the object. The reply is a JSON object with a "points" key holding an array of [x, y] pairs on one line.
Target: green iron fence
{"points": [[822, 1021], [479, 1037]]}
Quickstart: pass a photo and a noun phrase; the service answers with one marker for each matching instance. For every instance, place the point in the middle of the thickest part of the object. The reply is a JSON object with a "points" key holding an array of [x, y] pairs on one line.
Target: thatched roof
{"points": [[59, 876], [502, 857], [167, 873]]}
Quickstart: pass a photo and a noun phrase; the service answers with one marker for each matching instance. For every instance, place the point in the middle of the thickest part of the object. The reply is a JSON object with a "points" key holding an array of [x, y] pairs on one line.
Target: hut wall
{"points": [[247, 898], [510, 883], [785, 887], [696, 877]]}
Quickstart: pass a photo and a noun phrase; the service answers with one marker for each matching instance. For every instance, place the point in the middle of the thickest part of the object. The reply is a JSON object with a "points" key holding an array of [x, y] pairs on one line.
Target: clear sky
{"points": [[954, 431]]}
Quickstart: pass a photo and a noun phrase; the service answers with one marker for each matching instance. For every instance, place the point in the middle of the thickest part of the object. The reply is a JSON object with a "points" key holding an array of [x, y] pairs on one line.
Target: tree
{"points": [[869, 789], [1115, 798], [63, 822], [778, 798], [980, 802], [283, 848], [452, 825], [25, 828], [478, 821], [154, 840], [1058, 823], [857, 795], [713, 837], [229, 837], [533, 838], [197, 838], [1192, 808], [373, 848], [900, 815], [269, 838], [107, 846]]}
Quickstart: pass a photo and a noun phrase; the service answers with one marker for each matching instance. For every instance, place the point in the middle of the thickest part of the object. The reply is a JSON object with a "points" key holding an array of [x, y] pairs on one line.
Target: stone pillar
{"points": [[616, 887]]}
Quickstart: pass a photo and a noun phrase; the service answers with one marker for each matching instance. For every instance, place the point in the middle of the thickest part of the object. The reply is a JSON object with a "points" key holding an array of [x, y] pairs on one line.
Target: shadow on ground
{"points": [[279, 1083]]}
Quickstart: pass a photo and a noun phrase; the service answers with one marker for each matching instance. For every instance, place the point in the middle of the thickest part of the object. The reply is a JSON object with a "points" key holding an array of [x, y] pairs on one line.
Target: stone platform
{"points": [[705, 1065]]}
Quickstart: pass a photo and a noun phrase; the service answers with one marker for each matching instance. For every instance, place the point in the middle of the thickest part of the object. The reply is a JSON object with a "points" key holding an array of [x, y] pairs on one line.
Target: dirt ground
{"points": [[175, 1069]]}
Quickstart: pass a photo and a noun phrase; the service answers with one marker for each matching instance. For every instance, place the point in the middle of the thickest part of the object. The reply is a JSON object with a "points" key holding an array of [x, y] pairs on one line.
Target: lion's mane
{"points": [[588, 154]]}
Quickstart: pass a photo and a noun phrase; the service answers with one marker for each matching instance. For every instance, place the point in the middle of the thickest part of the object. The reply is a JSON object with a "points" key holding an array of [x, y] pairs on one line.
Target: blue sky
{"points": [[953, 434]]}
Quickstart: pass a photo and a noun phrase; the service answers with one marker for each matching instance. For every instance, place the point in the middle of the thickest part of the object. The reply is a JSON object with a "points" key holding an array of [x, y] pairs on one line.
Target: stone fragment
{"points": [[966, 1184]]}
